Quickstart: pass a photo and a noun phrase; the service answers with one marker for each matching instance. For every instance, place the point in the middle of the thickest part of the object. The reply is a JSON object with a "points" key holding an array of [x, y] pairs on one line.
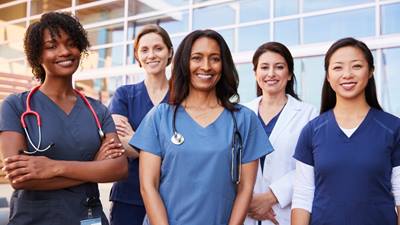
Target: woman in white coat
{"points": [[283, 116]]}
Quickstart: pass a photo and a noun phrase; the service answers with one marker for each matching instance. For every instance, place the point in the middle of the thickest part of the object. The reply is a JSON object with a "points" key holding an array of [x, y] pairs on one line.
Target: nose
{"points": [[151, 54], [206, 65], [347, 72], [270, 72], [64, 50]]}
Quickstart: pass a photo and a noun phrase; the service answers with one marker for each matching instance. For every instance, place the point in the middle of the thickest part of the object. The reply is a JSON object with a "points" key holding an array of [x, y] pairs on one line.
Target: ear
{"points": [[290, 77], [371, 74]]}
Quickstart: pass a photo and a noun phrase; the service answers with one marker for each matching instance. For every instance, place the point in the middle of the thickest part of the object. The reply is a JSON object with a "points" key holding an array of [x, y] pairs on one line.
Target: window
{"points": [[213, 16], [285, 7], [390, 18], [41, 6], [106, 34], [253, 36], [103, 58], [312, 5], [13, 12], [287, 32], [358, 23], [247, 85], [390, 80], [251, 10], [101, 13]]}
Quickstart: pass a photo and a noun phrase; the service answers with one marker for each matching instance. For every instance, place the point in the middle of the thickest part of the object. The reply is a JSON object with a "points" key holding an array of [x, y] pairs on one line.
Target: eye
{"points": [[337, 68], [357, 66], [159, 49], [50, 46], [215, 59], [143, 50], [196, 58], [280, 67], [264, 67]]}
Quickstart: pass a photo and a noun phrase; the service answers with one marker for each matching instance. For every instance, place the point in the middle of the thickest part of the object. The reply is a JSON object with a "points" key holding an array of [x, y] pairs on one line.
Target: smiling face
{"points": [[153, 54], [60, 55], [205, 64], [272, 73], [348, 73]]}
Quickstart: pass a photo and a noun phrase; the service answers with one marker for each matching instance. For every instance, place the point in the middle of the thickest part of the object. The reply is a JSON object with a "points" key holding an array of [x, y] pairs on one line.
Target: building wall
{"points": [[307, 27]]}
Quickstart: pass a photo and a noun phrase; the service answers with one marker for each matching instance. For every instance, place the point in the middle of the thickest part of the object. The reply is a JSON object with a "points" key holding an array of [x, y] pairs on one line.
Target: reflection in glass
{"points": [[310, 77], [358, 23], [312, 5], [106, 34], [390, 19], [11, 50], [228, 36], [174, 22], [101, 13], [13, 12], [103, 58], [285, 7], [213, 16], [12, 32], [390, 80], [251, 10], [101, 88], [253, 36], [137, 7], [41, 6], [287, 32], [247, 85]]}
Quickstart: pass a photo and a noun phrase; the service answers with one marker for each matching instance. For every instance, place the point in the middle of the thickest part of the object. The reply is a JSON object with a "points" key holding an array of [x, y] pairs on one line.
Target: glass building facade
{"points": [[307, 27]]}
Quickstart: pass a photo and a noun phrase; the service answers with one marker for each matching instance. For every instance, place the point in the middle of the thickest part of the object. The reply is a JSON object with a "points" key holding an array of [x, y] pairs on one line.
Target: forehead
{"points": [[206, 45], [348, 53], [150, 39], [271, 57], [50, 35]]}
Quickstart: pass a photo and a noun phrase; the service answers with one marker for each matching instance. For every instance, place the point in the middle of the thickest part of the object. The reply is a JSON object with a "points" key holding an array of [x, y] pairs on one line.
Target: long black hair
{"points": [[328, 96], [226, 88], [282, 50]]}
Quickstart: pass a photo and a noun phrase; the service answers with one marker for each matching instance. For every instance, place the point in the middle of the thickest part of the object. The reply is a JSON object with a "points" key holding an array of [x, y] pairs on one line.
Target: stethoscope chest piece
{"points": [[177, 138]]}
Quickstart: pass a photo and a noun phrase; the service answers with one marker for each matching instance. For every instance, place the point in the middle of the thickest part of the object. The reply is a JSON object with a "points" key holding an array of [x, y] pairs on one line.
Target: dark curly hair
{"points": [[54, 22]]}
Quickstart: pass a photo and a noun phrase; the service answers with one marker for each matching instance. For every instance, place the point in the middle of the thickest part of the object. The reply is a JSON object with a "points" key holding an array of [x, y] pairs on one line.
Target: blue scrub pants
{"points": [[126, 214]]}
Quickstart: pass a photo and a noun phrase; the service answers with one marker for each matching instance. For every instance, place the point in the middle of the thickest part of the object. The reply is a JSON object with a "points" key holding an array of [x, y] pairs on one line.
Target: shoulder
{"points": [[97, 105], [300, 105], [386, 120], [130, 88], [253, 104], [319, 122], [17, 101]]}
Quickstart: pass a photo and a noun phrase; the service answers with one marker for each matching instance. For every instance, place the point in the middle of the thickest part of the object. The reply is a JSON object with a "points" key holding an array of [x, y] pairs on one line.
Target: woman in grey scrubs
{"points": [[54, 165]]}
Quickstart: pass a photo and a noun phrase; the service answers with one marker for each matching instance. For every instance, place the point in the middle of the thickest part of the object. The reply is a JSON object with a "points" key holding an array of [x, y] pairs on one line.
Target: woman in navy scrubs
{"points": [[348, 158], [55, 168], [153, 51]]}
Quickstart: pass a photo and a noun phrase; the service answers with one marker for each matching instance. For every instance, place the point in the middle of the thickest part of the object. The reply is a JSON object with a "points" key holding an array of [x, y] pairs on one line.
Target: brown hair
{"points": [[153, 28]]}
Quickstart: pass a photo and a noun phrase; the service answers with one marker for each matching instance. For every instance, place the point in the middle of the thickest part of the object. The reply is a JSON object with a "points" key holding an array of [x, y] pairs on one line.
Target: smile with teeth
{"points": [[67, 62], [204, 76], [271, 82], [153, 63], [348, 85]]}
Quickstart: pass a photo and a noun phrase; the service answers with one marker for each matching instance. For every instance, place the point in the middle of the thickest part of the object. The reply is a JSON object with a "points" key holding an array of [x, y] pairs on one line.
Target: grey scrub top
{"points": [[75, 137], [195, 180]]}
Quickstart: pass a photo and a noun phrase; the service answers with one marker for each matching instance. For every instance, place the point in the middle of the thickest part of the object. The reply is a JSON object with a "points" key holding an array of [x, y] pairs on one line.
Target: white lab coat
{"points": [[279, 166]]}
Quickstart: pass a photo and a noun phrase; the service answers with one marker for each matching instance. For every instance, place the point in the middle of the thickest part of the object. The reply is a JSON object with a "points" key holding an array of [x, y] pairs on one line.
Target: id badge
{"points": [[92, 221]]}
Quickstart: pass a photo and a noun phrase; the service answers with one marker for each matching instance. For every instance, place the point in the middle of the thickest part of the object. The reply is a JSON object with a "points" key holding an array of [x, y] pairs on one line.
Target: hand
{"points": [[124, 128], [110, 149], [20, 168], [261, 207]]}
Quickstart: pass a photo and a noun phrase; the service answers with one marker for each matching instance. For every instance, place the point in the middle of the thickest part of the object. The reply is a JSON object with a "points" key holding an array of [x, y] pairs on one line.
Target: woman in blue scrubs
{"points": [[283, 116], [130, 103], [55, 168], [191, 169], [348, 157]]}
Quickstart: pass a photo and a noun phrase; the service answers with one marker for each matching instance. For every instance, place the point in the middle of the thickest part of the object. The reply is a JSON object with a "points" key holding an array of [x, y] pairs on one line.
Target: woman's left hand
{"points": [[20, 168], [261, 207]]}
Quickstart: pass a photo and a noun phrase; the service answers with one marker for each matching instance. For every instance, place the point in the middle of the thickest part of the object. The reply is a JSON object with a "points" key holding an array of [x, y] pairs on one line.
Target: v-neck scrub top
{"points": [[352, 174], [195, 179], [133, 102], [75, 137]]}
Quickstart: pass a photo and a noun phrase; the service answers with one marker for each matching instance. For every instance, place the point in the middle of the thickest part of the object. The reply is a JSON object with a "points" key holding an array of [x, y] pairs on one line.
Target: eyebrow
{"points": [[354, 60]]}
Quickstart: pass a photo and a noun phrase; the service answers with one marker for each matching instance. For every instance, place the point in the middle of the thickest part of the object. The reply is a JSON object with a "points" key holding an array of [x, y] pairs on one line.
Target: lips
{"points": [[204, 76], [348, 85], [153, 63], [65, 62], [271, 82]]}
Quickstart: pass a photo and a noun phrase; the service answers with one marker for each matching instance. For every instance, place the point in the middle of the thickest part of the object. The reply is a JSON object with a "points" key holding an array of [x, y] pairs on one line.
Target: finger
{"points": [[16, 158], [15, 173], [22, 178], [14, 165], [114, 146]]}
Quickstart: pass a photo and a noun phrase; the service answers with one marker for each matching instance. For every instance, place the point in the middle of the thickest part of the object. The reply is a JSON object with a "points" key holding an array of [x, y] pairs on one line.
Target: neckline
{"points": [[216, 119], [148, 96], [58, 108], [364, 123]]}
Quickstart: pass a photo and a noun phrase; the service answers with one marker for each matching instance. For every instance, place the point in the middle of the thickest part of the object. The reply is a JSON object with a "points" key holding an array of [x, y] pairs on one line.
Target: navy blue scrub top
{"points": [[352, 174], [268, 130], [133, 102], [75, 137]]}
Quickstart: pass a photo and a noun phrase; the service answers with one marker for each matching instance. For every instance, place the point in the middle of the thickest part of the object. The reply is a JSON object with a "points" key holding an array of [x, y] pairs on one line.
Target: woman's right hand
{"points": [[110, 149]]}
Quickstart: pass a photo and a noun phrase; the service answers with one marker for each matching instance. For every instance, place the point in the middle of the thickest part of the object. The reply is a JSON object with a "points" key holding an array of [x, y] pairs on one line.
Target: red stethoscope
{"points": [[29, 111]]}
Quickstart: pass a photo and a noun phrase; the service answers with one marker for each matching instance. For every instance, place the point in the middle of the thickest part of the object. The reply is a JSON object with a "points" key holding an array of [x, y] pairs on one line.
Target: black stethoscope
{"points": [[29, 111], [236, 151]]}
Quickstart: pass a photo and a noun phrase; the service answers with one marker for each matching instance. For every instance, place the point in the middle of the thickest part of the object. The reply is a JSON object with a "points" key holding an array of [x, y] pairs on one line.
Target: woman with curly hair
{"points": [[57, 144]]}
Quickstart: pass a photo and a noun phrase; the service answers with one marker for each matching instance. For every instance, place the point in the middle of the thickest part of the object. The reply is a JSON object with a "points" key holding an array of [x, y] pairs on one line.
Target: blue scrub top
{"points": [[75, 137], [195, 179], [268, 130], [352, 175], [133, 102]]}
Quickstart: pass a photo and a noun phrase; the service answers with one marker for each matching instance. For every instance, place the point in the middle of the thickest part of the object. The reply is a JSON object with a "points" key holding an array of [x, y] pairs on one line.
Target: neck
{"points": [[351, 107], [201, 99], [58, 88], [156, 82], [277, 100]]}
